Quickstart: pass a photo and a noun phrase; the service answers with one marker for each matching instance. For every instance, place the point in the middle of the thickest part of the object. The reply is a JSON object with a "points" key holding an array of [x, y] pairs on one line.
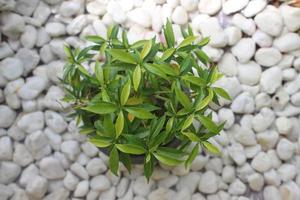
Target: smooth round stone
{"points": [[96, 8], [140, 16], [271, 193], [210, 7], [7, 116], [261, 162], [237, 187], [291, 17], [180, 16], [271, 80], [269, 21], [285, 149], [262, 39], [208, 183], [228, 65], [70, 8], [55, 29], [232, 6], [287, 42], [267, 57], [283, 125], [244, 50], [249, 73], [234, 34], [189, 5], [254, 7], [11, 68]]}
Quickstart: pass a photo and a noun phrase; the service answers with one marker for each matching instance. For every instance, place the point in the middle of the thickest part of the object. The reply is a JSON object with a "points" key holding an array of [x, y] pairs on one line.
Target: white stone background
{"points": [[42, 156]]}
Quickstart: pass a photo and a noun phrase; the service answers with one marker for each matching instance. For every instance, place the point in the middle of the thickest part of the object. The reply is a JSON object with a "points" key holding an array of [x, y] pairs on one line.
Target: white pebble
{"points": [[287, 42], [285, 149], [244, 49], [228, 65], [271, 79], [180, 16], [269, 21], [51, 168], [249, 73], [208, 183], [267, 57], [254, 7], [210, 7], [7, 116], [232, 6], [261, 162]]}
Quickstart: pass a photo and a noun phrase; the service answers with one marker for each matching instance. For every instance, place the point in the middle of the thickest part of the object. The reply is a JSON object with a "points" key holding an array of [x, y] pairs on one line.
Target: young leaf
{"points": [[101, 108], [131, 149], [195, 80], [146, 49], [99, 73], [169, 125], [119, 124], [125, 39], [182, 98], [95, 38], [114, 161], [136, 77], [140, 113], [187, 122], [221, 92], [187, 41], [169, 34], [209, 124], [203, 42], [148, 167], [192, 156], [167, 160], [192, 136], [167, 69], [122, 56], [125, 93], [101, 141], [167, 54], [211, 148], [126, 160], [205, 101], [155, 70]]}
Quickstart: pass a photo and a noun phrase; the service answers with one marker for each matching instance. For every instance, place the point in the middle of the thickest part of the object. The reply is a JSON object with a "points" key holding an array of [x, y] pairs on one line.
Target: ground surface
{"points": [[256, 46]]}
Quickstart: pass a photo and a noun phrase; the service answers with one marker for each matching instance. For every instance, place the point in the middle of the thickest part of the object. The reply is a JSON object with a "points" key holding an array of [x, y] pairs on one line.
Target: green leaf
{"points": [[140, 113], [146, 49], [136, 77], [211, 148], [195, 80], [221, 92], [95, 38], [126, 160], [153, 69], [204, 42], [167, 69], [131, 149], [101, 108], [119, 124], [69, 53], [125, 93], [148, 167], [169, 34], [83, 70], [169, 125], [101, 141], [192, 136], [187, 122], [192, 156], [114, 161], [167, 158], [99, 73], [122, 56], [187, 41], [167, 54], [205, 101], [182, 98], [186, 65], [125, 39], [209, 124]]}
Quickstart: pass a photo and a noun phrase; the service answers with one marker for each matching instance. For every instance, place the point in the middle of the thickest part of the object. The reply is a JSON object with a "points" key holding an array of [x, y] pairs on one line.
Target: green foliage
{"points": [[144, 95]]}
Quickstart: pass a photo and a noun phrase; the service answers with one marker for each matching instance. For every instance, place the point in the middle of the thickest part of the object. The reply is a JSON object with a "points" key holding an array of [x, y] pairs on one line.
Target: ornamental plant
{"points": [[146, 100]]}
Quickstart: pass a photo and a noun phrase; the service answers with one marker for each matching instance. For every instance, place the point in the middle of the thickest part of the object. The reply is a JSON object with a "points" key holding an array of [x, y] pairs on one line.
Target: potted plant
{"points": [[144, 102]]}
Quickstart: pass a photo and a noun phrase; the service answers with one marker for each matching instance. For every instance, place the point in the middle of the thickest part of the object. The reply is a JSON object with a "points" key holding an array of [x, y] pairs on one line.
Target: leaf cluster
{"points": [[140, 97]]}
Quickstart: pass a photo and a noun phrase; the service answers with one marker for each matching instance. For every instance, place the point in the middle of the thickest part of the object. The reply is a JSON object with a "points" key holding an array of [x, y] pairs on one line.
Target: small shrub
{"points": [[142, 97]]}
